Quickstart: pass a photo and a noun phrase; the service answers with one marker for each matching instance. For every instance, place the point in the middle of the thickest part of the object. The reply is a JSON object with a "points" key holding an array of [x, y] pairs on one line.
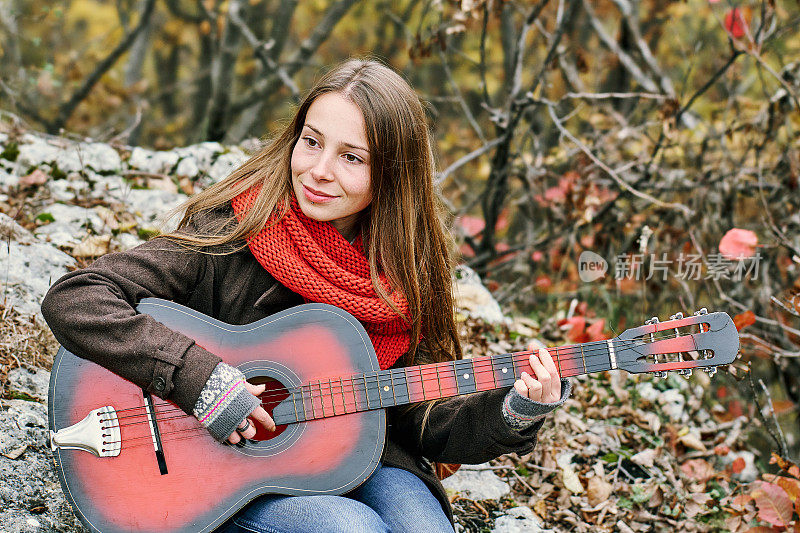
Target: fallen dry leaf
{"points": [[598, 490]]}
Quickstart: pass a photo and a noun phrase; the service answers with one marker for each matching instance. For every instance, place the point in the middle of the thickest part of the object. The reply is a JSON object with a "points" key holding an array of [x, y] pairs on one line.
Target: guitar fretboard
{"points": [[388, 388]]}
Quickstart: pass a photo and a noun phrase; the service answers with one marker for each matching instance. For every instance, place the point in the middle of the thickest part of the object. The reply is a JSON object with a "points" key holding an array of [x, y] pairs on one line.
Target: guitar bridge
{"points": [[97, 434]]}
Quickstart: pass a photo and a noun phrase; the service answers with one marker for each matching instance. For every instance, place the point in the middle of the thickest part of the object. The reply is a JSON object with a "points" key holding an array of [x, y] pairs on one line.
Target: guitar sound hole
{"points": [[274, 394]]}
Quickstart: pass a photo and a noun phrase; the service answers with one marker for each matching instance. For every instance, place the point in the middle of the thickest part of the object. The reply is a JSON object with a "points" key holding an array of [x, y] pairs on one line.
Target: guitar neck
{"points": [[399, 386]]}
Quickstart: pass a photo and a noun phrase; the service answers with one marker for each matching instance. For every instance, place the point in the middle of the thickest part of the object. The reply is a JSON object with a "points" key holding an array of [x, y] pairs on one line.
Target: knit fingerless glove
{"points": [[521, 412], [224, 402]]}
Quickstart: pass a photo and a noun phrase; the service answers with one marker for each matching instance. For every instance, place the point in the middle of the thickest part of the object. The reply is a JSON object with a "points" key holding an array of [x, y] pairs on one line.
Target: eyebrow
{"points": [[357, 147]]}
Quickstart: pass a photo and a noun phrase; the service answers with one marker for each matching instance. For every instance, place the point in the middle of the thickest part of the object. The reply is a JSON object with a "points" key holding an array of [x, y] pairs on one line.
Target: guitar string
{"points": [[481, 366], [447, 391], [518, 357], [344, 391]]}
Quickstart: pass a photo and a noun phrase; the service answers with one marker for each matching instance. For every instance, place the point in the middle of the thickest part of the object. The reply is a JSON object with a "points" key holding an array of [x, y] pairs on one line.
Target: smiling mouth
{"points": [[316, 197]]}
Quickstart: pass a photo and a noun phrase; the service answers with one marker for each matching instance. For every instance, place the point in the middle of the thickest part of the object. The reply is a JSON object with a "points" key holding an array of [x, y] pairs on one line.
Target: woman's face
{"points": [[330, 163]]}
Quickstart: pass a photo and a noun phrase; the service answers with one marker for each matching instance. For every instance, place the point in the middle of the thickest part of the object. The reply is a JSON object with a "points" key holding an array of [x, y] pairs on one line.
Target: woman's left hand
{"points": [[546, 386]]}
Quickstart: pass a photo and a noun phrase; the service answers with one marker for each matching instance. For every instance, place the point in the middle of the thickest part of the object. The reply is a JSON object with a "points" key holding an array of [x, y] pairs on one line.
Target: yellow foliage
{"points": [[95, 18]]}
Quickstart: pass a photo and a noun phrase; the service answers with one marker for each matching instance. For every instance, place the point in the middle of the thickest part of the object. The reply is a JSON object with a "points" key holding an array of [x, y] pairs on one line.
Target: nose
{"points": [[322, 169]]}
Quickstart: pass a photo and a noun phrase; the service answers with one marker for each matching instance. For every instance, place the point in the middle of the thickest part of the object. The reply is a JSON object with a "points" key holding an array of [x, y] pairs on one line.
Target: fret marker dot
{"points": [[505, 370], [386, 388], [466, 376]]}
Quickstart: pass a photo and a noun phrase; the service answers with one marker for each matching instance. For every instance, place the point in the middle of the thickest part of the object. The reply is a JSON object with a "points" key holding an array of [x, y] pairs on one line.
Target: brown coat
{"points": [[91, 312]]}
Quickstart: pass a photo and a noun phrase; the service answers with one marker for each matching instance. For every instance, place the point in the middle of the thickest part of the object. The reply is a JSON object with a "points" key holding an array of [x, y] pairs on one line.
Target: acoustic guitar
{"points": [[135, 463]]}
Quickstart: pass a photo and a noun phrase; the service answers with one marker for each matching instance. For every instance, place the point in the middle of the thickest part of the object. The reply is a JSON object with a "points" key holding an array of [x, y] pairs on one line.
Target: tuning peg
{"points": [[676, 315], [653, 320], [685, 372], [702, 311], [711, 370], [660, 374]]}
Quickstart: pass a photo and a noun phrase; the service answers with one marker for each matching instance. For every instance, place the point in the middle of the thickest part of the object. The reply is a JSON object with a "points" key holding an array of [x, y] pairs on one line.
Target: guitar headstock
{"points": [[704, 340]]}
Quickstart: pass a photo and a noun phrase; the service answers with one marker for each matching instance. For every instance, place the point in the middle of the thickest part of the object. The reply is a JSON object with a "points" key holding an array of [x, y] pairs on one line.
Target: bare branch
{"points": [[66, 109], [622, 183]]}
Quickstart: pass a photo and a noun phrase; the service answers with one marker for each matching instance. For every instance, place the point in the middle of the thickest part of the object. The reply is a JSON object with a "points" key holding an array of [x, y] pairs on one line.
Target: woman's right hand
{"points": [[259, 415]]}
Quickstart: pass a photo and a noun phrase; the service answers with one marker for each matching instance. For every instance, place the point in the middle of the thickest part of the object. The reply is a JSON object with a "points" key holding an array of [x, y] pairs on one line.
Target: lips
{"points": [[316, 196]]}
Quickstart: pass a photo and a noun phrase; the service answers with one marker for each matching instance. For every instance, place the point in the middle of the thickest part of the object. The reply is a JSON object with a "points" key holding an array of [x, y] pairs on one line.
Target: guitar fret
{"points": [[341, 389], [366, 391], [321, 397], [438, 380], [355, 398], [583, 358], [311, 396], [330, 392], [421, 383], [494, 375], [294, 404], [394, 395]]}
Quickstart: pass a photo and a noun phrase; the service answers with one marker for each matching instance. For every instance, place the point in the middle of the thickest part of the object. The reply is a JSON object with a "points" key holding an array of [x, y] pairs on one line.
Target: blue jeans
{"points": [[392, 499]]}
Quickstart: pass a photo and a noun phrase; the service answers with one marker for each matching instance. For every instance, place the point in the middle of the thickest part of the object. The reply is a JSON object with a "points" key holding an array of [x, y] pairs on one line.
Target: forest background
{"points": [[661, 136]]}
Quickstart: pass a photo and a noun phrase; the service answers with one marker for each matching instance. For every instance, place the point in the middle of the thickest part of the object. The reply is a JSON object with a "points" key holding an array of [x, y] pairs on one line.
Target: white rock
{"points": [[33, 381], [25, 413], [126, 241], [71, 224], [33, 151], [110, 188], [152, 162], [187, 167], [647, 391], [96, 156], [473, 298], [750, 473], [149, 205], [517, 520], [31, 269], [68, 190], [10, 228], [477, 484], [673, 402], [8, 180], [226, 163]]}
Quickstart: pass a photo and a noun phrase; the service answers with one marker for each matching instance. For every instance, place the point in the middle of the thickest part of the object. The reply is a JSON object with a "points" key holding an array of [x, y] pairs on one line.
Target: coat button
{"points": [[159, 384], [424, 465]]}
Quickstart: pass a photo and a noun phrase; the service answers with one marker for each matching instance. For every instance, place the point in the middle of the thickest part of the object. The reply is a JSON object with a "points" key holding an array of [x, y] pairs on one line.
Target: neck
{"points": [[411, 384]]}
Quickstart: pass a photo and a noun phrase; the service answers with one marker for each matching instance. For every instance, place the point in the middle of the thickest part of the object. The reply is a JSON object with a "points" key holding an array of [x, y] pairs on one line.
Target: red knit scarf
{"points": [[314, 260]]}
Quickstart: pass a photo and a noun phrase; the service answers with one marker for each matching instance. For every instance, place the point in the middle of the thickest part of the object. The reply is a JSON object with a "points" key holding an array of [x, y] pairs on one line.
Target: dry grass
{"points": [[24, 343]]}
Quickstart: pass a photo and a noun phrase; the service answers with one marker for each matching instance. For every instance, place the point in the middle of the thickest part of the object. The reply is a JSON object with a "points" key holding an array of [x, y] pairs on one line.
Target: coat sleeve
{"points": [[464, 429], [92, 314]]}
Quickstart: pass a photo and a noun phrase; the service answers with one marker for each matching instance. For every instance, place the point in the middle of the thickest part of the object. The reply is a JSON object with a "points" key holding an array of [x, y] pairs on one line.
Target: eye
{"points": [[311, 142], [352, 158]]}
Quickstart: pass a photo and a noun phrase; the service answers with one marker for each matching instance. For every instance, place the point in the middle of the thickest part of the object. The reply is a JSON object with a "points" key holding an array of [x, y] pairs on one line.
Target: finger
{"points": [[255, 390], [542, 375], [234, 437], [547, 360], [552, 388], [261, 416], [534, 387], [250, 432], [521, 388]]}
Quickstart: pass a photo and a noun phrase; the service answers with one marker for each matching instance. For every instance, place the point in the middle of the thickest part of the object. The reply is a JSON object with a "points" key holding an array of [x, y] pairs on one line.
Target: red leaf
{"points": [[738, 465], [734, 23], [595, 331], [698, 469], [735, 408], [576, 331], [470, 225], [774, 505], [738, 244], [748, 318], [722, 392], [722, 449]]}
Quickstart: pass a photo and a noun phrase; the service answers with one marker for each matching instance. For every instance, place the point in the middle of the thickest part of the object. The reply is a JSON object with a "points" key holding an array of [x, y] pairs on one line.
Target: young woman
{"points": [[339, 208]]}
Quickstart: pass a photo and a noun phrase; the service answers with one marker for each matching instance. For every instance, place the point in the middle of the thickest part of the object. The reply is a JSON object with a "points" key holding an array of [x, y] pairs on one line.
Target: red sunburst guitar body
{"points": [[131, 462], [206, 482]]}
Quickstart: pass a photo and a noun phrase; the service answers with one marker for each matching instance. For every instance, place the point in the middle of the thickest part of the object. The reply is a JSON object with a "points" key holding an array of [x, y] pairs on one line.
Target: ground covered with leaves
{"points": [[637, 453]]}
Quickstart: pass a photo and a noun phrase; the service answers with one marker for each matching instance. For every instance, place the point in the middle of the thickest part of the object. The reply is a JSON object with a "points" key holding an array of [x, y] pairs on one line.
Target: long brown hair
{"points": [[402, 228]]}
